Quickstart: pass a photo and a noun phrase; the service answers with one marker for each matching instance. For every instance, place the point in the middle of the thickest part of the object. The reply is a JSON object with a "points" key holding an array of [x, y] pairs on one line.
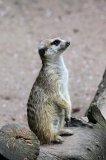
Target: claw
{"points": [[67, 120]]}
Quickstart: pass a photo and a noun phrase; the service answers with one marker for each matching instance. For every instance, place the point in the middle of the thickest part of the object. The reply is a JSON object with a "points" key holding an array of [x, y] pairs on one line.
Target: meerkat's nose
{"points": [[67, 43]]}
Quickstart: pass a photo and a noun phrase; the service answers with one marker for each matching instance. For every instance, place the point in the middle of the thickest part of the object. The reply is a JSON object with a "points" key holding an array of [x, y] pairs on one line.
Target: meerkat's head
{"points": [[52, 48]]}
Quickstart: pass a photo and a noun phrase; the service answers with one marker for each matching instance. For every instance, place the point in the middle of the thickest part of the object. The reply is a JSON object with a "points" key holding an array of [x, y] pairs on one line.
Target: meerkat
{"points": [[49, 104]]}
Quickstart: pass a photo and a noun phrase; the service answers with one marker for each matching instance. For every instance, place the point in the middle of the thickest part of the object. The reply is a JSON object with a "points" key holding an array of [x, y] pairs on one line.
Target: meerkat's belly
{"points": [[58, 118]]}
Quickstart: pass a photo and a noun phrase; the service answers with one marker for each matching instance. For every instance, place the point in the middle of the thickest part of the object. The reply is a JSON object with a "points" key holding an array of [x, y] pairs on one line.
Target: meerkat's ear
{"points": [[42, 51]]}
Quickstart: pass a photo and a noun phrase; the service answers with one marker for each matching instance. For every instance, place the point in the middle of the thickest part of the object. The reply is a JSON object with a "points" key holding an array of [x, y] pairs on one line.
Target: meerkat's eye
{"points": [[56, 42]]}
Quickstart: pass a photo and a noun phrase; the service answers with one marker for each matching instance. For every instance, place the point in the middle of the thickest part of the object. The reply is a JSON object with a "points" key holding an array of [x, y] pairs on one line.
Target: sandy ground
{"points": [[24, 23]]}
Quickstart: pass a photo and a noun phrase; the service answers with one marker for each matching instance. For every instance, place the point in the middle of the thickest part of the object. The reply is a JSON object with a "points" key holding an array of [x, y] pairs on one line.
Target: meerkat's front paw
{"points": [[67, 119]]}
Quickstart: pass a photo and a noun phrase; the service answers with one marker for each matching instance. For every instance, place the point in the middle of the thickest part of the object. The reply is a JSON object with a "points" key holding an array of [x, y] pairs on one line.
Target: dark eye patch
{"points": [[56, 42]]}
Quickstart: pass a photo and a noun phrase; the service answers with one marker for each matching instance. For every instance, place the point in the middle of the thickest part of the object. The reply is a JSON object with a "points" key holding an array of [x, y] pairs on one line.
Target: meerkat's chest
{"points": [[64, 74], [63, 82], [63, 90]]}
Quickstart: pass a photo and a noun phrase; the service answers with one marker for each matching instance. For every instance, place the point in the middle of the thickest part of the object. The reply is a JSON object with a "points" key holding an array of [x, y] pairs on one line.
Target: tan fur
{"points": [[49, 102]]}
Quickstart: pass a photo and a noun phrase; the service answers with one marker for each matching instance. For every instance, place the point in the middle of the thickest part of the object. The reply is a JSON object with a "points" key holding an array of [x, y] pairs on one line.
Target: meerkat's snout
{"points": [[67, 43], [63, 45]]}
